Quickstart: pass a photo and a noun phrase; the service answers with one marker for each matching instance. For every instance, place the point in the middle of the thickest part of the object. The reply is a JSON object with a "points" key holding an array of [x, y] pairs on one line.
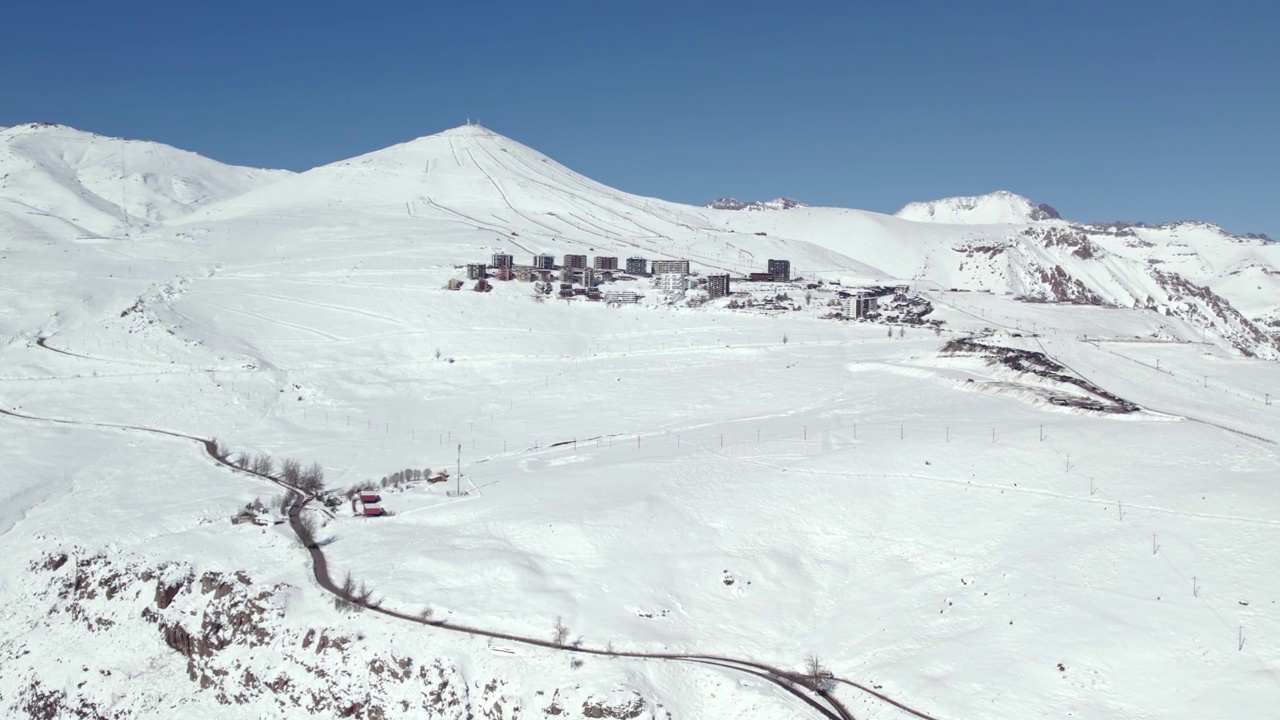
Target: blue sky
{"points": [[1107, 110]]}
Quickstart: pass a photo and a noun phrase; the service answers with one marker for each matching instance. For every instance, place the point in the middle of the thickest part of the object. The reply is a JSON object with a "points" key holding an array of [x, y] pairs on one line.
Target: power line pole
{"points": [[459, 470]]}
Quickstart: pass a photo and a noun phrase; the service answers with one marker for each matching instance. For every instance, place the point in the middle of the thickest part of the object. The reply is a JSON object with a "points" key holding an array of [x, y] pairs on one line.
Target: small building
{"points": [[544, 275], [760, 277], [574, 262], [718, 285], [370, 497], [780, 270], [501, 260], [637, 266], [662, 267], [593, 293], [504, 273], [247, 517], [606, 276], [525, 273], [543, 261], [372, 511], [605, 262], [476, 271], [482, 286], [454, 284]]}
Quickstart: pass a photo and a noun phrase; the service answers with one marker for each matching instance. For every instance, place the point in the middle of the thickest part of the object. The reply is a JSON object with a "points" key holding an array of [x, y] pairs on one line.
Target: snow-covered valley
{"points": [[930, 508]]}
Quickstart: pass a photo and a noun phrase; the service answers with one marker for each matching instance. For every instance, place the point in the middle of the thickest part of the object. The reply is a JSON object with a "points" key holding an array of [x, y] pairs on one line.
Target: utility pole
{"points": [[459, 493]]}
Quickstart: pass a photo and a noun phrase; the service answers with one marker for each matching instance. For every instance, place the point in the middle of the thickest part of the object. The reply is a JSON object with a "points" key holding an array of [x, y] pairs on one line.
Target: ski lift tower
{"points": [[459, 492]]}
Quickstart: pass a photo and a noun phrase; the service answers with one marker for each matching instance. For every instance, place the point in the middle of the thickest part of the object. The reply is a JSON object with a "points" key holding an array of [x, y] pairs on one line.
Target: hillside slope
{"points": [[58, 180]]}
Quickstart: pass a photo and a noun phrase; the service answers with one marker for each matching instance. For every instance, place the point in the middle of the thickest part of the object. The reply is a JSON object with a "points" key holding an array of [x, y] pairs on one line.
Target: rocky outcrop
{"points": [[1041, 365], [238, 646], [774, 204]]}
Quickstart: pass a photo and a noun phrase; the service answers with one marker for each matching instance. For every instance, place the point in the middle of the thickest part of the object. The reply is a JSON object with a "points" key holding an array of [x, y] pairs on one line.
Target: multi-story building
{"points": [[780, 270], [661, 267], [501, 260], [543, 261], [672, 283], [590, 277], [637, 266], [575, 262], [604, 262], [475, 271], [503, 273], [857, 306], [624, 297], [525, 273], [717, 285]]}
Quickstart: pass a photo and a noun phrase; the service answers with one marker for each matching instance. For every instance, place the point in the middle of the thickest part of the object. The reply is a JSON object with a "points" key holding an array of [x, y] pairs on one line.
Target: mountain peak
{"points": [[997, 208], [467, 130]]}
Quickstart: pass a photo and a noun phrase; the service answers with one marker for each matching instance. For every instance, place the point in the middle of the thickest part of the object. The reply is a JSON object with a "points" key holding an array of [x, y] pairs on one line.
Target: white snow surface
{"points": [[997, 208], [758, 484], [55, 177]]}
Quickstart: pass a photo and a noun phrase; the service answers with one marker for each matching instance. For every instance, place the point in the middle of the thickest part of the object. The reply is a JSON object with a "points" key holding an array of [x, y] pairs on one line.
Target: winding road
{"points": [[820, 699]]}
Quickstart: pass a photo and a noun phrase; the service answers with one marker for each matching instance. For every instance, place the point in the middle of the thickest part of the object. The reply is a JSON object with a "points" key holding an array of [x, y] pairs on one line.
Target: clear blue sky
{"points": [[1107, 110]]}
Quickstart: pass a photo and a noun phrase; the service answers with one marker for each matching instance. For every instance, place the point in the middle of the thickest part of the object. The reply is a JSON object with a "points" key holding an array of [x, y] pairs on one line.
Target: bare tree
{"points": [[561, 633], [307, 527], [311, 480], [263, 464], [291, 471], [816, 675], [344, 599]]}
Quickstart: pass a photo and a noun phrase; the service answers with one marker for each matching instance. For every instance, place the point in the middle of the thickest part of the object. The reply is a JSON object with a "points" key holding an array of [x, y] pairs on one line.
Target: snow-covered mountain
{"points": [[58, 180], [942, 515], [1000, 207], [774, 204]]}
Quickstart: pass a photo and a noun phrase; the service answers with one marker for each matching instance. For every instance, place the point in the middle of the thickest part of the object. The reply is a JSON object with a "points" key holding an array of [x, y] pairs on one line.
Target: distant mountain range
{"points": [[774, 204], [474, 191]]}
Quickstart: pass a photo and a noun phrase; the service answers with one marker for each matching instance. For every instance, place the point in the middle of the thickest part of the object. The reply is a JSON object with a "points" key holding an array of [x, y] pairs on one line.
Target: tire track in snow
{"points": [[272, 321], [327, 306]]}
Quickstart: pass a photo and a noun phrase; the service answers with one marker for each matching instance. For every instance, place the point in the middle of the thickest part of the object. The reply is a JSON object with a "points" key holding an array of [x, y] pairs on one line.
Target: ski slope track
{"points": [[1039, 481]]}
